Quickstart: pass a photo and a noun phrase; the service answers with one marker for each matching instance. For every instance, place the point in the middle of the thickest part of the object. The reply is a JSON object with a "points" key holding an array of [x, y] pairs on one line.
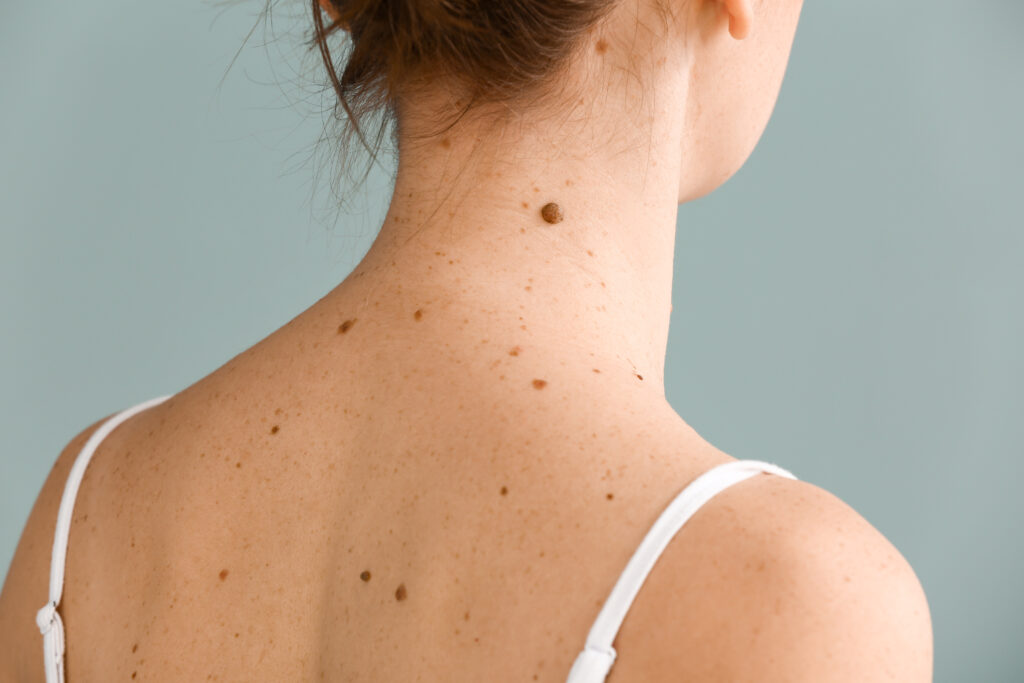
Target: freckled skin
{"points": [[551, 212]]}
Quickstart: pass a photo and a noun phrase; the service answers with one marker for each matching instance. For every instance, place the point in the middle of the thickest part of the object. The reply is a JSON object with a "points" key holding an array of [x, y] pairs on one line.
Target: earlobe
{"points": [[741, 17]]}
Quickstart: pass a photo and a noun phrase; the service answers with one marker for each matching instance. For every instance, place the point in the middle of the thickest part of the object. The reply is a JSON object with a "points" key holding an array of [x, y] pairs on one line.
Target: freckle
{"points": [[551, 212], [596, 370], [590, 252], [450, 261], [525, 205], [515, 351], [343, 328], [528, 288], [223, 574], [601, 46], [238, 464], [274, 429], [365, 575], [446, 143], [536, 189], [400, 592], [277, 411], [418, 314], [135, 647], [602, 284], [539, 383], [133, 673], [610, 496], [236, 635], [504, 490]]}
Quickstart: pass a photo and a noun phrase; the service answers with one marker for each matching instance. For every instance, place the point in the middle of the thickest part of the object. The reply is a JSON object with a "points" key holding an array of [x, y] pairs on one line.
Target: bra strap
{"points": [[594, 662], [47, 618]]}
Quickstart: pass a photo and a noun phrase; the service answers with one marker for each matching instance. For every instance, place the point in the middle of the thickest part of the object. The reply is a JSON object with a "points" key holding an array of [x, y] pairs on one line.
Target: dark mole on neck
{"points": [[551, 212]]}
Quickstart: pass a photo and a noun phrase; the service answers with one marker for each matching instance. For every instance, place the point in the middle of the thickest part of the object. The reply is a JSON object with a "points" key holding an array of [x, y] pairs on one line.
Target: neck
{"points": [[464, 240]]}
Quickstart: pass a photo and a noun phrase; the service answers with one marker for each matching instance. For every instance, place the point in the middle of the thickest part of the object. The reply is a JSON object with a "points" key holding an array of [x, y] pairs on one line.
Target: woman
{"points": [[459, 464]]}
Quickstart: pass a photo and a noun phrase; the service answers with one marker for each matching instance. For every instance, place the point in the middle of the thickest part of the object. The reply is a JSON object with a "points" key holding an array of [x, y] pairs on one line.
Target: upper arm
{"points": [[26, 587], [781, 581]]}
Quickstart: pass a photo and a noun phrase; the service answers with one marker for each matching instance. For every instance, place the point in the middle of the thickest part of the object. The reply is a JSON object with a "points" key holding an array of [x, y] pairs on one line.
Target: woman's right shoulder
{"points": [[781, 580]]}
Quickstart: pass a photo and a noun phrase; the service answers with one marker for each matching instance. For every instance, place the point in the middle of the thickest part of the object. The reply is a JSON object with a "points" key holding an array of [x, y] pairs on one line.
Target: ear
{"points": [[741, 17]]}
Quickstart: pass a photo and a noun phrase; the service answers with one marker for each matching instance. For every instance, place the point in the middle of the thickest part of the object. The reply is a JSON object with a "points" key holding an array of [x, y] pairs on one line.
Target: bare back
{"points": [[366, 519]]}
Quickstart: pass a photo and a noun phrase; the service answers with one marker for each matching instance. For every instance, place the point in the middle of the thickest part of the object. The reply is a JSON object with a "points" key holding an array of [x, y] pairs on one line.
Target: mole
{"points": [[400, 592], [135, 647], [343, 328], [223, 574], [551, 212], [365, 575], [418, 314], [539, 383], [273, 430], [610, 496], [504, 490], [515, 351], [640, 377]]}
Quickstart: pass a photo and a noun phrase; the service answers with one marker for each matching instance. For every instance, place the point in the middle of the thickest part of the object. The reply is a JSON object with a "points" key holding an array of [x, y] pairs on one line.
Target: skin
{"points": [[440, 468]]}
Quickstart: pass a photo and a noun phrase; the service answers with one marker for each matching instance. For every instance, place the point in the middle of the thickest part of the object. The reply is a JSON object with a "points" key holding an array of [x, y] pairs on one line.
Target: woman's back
{"points": [[296, 516]]}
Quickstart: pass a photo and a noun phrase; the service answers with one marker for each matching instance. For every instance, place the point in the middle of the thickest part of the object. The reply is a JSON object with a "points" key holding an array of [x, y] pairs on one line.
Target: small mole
{"points": [[640, 377], [343, 328], [515, 351], [601, 46], [365, 575], [223, 574], [610, 496], [400, 592], [596, 370], [135, 647], [525, 205], [551, 212], [446, 143], [236, 635], [133, 673], [238, 464], [504, 490], [418, 314], [273, 430], [539, 383]]}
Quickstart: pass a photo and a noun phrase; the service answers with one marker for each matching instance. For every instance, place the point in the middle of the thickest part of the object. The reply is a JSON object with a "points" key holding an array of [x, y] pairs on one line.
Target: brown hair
{"points": [[505, 52]]}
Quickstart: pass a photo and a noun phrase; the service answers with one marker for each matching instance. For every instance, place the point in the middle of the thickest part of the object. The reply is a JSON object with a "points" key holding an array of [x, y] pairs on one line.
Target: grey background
{"points": [[848, 305]]}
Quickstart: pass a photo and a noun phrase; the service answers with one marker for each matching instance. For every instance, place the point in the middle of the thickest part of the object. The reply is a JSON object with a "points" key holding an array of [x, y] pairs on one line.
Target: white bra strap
{"points": [[595, 660], [47, 618]]}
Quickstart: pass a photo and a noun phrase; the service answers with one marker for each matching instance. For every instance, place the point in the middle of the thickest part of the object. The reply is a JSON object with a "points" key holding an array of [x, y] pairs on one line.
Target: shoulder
{"points": [[26, 586], [781, 580]]}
